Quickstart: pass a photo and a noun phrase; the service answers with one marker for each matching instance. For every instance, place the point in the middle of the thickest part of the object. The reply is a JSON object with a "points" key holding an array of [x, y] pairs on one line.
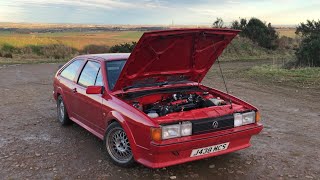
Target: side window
{"points": [[99, 81], [71, 70], [89, 74]]}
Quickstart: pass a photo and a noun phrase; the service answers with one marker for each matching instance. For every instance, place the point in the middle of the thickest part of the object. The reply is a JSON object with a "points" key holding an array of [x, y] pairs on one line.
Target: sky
{"points": [[157, 12]]}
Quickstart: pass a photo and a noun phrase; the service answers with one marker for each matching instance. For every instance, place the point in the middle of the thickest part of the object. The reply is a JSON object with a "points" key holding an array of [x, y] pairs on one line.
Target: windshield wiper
{"points": [[162, 83]]}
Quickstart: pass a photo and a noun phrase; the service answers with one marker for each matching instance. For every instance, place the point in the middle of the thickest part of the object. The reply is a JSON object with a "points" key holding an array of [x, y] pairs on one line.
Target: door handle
{"points": [[74, 90]]}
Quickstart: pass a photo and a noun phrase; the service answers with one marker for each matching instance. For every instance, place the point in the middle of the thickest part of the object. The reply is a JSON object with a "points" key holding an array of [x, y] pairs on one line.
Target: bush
{"points": [[57, 51], [239, 25], [265, 35], [286, 42], [95, 49], [36, 49], [308, 54], [8, 48], [123, 48], [7, 55], [259, 32]]}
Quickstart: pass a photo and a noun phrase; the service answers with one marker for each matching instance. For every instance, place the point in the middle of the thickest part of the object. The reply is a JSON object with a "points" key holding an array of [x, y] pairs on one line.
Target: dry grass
{"points": [[79, 40], [289, 32], [75, 40]]}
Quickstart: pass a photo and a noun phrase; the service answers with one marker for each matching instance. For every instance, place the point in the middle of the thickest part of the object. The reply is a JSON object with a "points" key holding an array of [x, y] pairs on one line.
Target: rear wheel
{"points": [[62, 112], [117, 146]]}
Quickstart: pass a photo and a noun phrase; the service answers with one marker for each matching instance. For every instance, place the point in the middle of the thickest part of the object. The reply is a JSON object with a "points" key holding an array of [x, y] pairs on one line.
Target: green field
{"points": [[299, 77]]}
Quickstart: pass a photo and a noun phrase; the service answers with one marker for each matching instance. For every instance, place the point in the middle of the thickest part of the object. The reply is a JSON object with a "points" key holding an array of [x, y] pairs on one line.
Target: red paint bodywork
{"points": [[187, 52], [95, 112], [94, 90]]}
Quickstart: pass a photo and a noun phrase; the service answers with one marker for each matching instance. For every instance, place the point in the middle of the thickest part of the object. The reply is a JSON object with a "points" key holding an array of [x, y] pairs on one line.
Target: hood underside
{"points": [[184, 53]]}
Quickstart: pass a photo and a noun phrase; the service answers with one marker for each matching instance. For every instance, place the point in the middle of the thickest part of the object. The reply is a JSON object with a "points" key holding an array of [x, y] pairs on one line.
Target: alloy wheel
{"points": [[118, 146]]}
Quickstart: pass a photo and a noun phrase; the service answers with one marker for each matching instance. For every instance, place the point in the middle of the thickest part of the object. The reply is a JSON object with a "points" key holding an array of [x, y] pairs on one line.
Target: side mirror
{"points": [[94, 90]]}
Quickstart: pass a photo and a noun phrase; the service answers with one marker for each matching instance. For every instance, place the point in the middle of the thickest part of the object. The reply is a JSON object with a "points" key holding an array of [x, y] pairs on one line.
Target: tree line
{"points": [[265, 35]]}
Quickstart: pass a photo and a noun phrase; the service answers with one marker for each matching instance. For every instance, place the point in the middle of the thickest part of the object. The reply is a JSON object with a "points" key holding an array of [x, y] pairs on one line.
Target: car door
{"points": [[67, 80], [88, 107]]}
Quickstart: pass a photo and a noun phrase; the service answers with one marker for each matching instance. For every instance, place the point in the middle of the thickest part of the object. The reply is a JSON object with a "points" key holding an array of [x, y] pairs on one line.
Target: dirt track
{"points": [[33, 145]]}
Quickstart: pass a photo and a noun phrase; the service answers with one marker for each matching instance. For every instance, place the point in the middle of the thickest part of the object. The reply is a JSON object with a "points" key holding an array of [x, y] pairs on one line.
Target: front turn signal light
{"points": [[258, 117], [156, 134]]}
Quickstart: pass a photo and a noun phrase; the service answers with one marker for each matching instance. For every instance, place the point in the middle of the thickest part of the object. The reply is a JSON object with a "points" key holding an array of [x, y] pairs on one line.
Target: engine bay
{"points": [[157, 105]]}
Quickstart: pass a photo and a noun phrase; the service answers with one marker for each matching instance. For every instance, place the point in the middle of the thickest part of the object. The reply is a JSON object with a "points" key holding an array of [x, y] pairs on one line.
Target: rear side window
{"points": [[89, 74], [71, 70]]}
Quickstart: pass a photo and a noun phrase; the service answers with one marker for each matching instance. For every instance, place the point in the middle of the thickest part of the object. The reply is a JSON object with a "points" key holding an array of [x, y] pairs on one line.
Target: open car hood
{"points": [[184, 53]]}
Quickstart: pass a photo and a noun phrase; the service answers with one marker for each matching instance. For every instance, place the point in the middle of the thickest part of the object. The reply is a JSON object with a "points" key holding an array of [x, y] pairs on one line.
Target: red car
{"points": [[150, 106]]}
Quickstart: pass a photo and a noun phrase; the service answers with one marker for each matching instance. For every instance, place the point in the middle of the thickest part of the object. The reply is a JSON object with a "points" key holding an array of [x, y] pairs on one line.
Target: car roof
{"points": [[107, 56]]}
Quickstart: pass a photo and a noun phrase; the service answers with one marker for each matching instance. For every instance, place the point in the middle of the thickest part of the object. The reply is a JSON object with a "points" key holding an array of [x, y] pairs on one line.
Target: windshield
{"points": [[114, 69]]}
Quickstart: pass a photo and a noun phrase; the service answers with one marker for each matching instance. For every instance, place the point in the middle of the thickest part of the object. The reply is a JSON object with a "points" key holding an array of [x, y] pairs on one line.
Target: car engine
{"points": [[179, 102]]}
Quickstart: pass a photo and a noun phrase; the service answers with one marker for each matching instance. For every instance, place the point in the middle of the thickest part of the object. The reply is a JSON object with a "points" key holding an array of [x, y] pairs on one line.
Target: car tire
{"points": [[117, 147], [62, 113]]}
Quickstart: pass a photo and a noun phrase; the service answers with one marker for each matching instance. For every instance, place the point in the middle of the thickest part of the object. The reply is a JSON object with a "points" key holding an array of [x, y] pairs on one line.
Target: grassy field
{"points": [[6, 61], [300, 77], [239, 49], [244, 49], [80, 39], [289, 32], [75, 39]]}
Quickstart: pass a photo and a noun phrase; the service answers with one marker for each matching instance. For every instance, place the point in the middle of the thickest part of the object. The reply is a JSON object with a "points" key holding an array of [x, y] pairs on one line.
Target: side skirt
{"points": [[100, 136]]}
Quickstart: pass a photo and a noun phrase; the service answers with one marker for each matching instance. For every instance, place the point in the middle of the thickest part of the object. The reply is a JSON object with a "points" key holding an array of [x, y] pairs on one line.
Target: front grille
{"points": [[212, 124]]}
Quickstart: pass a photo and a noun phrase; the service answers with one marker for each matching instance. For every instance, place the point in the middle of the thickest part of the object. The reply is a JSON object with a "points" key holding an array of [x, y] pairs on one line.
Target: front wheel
{"points": [[117, 146]]}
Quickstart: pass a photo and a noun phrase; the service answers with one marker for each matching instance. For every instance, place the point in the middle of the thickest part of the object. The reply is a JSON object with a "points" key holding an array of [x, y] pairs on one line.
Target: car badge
{"points": [[215, 124]]}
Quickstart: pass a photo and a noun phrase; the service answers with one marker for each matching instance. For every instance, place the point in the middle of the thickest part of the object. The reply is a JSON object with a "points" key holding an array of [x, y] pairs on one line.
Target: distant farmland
{"points": [[289, 32], [80, 39], [73, 39]]}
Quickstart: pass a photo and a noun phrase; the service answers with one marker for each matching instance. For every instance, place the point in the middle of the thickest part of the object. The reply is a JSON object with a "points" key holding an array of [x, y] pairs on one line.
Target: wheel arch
{"points": [[59, 92], [114, 116]]}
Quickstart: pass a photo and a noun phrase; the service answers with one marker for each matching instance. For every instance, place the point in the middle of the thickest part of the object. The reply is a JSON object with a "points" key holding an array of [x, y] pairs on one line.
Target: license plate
{"points": [[209, 150]]}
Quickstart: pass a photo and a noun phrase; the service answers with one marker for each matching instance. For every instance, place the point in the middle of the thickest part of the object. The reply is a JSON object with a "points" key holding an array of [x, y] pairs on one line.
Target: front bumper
{"points": [[177, 151]]}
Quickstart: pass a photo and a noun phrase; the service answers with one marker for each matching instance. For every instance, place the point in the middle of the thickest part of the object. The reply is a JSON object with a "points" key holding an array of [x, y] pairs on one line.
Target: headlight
{"points": [[176, 130], [248, 118], [171, 131], [244, 119], [186, 128], [237, 119]]}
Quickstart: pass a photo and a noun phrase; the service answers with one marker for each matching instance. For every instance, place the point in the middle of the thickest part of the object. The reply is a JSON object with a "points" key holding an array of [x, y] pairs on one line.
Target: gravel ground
{"points": [[33, 145]]}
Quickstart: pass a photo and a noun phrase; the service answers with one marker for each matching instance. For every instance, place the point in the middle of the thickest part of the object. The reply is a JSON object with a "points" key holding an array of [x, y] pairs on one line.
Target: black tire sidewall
{"points": [[65, 120]]}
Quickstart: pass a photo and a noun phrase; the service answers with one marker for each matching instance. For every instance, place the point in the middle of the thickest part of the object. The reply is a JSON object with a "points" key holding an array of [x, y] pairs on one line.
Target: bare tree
{"points": [[218, 23]]}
